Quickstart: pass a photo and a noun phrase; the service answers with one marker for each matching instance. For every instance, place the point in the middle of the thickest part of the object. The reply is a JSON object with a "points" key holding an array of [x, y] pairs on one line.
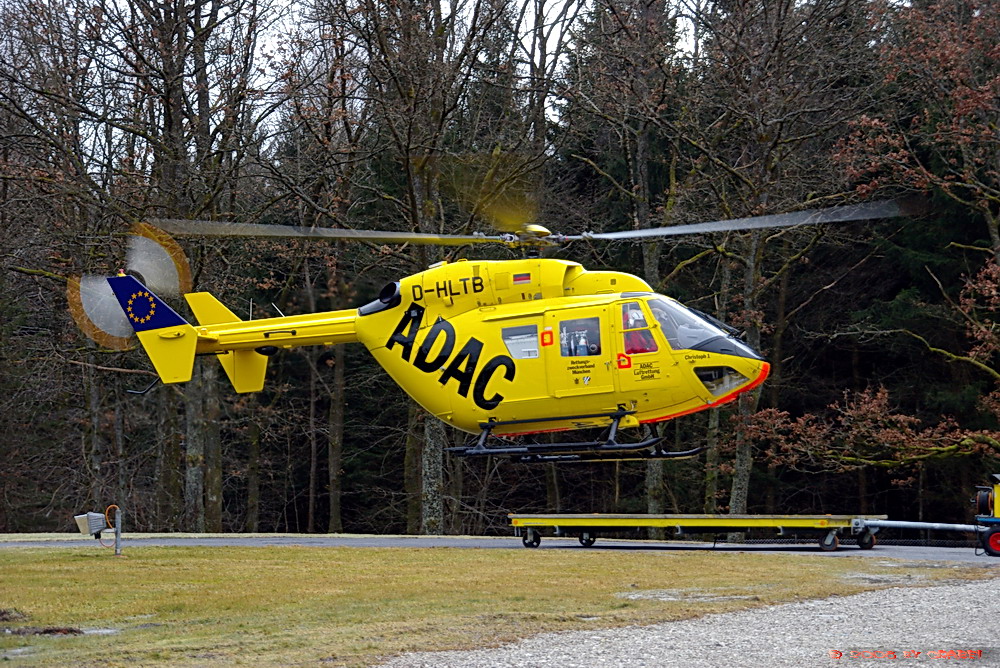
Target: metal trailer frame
{"points": [[827, 528], [987, 516]]}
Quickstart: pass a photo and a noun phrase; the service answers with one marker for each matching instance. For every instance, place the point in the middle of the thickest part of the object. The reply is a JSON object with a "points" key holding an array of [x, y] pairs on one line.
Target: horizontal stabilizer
{"points": [[244, 368], [208, 310]]}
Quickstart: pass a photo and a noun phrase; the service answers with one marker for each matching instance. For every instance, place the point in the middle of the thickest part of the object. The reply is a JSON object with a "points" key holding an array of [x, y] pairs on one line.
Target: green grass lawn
{"points": [[351, 606]]}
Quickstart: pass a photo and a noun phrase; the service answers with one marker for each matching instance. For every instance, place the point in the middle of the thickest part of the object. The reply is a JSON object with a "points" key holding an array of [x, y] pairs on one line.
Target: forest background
{"points": [[582, 115]]}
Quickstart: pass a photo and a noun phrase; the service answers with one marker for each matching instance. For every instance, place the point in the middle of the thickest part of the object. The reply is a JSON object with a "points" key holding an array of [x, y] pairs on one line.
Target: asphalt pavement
{"points": [[966, 555]]}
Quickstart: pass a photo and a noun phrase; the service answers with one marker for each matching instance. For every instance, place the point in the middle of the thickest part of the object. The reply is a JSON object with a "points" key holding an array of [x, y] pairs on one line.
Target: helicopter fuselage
{"points": [[534, 345], [521, 340]]}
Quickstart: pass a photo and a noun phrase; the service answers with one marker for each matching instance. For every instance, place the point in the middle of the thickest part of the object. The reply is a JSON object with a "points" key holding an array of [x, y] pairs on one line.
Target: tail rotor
{"points": [[160, 264]]}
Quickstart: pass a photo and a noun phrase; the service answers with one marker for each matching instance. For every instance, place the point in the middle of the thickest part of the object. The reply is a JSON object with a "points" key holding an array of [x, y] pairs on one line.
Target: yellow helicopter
{"points": [[496, 348]]}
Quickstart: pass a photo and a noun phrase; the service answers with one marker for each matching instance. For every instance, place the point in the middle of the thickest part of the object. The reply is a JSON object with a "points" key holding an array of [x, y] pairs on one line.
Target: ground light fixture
{"points": [[95, 524]]}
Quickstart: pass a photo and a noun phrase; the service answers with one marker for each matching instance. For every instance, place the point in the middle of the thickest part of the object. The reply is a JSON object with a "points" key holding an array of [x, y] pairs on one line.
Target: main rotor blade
{"points": [[212, 228], [837, 214]]}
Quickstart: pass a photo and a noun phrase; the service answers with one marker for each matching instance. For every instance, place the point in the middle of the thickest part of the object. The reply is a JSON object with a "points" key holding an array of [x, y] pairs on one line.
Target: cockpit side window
{"points": [[637, 336], [682, 328]]}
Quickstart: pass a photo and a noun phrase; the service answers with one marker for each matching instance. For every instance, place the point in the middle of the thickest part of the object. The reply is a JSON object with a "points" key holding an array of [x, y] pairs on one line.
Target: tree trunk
{"points": [[213, 448], [639, 168], [432, 478], [169, 465], [312, 429], [94, 442], [743, 464], [863, 507], [456, 491], [428, 209], [656, 498], [335, 444], [120, 488], [640, 205], [747, 402], [252, 523], [553, 496], [412, 464], [711, 498], [715, 414], [194, 456], [993, 228]]}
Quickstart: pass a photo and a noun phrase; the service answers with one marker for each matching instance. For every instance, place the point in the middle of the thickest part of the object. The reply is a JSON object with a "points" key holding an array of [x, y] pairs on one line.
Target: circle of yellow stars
{"points": [[152, 307]]}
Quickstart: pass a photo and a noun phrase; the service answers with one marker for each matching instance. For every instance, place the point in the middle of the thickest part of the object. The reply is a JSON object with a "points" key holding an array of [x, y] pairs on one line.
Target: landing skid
{"points": [[607, 449]]}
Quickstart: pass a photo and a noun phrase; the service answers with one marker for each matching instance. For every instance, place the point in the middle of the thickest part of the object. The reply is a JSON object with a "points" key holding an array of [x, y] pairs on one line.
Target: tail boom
{"points": [[242, 347], [314, 329]]}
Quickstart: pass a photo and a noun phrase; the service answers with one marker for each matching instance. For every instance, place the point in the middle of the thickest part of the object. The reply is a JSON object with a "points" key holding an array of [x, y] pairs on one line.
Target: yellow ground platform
{"points": [[586, 527]]}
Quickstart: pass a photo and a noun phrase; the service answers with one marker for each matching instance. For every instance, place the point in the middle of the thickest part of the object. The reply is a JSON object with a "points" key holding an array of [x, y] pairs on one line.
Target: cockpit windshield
{"points": [[682, 327]]}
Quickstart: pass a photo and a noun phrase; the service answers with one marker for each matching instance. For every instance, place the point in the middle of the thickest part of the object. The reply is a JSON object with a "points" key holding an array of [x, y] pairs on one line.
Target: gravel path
{"points": [[896, 622]]}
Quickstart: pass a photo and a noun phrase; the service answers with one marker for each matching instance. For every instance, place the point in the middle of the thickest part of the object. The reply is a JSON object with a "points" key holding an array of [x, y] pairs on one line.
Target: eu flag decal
{"points": [[143, 309]]}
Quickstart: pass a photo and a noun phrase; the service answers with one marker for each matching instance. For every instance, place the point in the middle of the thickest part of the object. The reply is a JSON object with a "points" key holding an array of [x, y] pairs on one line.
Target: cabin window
{"points": [[580, 337], [521, 341], [637, 336]]}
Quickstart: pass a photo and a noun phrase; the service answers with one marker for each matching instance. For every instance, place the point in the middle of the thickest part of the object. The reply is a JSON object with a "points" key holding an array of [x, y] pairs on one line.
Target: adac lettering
{"points": [[435, 350], [450, 288]]}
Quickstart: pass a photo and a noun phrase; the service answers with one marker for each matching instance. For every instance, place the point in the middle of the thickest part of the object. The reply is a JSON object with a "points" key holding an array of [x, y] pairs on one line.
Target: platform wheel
{"points": [[531, 538], [829, 542], [866, 540], [991, 541], [587, 539]]}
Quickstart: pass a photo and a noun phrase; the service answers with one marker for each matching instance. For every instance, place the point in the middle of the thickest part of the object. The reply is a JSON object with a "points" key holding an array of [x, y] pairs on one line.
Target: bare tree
{"points": [[141, 108], [937, 126], [780, 80]]}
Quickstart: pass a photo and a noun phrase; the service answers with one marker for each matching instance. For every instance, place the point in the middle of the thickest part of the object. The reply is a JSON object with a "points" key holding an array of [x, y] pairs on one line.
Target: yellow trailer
{"points": [[828, 528]]}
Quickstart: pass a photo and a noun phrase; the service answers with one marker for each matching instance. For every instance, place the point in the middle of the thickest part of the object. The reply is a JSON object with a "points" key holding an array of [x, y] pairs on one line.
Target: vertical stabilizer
{"points": [[168, 339]]}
